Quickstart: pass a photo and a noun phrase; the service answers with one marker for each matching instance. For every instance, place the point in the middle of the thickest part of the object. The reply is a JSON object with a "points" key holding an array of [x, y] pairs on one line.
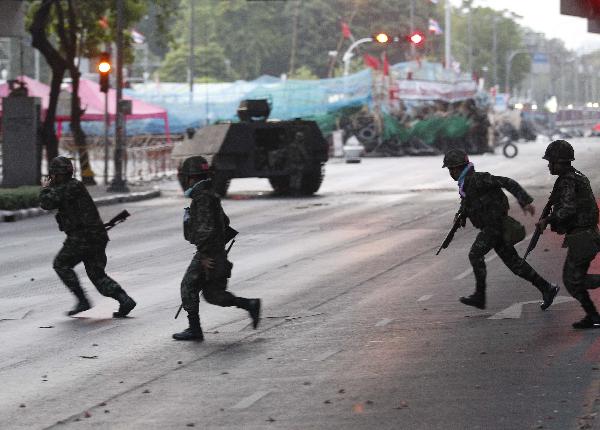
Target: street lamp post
{"points": [[348, 54], [509, 59]]}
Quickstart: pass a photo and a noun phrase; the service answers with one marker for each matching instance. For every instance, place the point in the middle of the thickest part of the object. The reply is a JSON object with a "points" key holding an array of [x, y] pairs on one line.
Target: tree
{"points": [[78, 32]]}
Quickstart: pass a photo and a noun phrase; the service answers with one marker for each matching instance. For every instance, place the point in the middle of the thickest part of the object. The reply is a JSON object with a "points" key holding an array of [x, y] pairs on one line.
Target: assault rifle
{"points": [[537, 233], [457, 224], [226, 254], [119, 218]]}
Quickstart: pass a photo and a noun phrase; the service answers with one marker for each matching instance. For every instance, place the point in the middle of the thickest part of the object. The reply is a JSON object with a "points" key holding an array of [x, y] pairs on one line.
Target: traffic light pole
{"points": [[118, 184], [106, 125]]}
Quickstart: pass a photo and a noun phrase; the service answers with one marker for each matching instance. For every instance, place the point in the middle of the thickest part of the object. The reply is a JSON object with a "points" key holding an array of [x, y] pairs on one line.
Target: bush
{"points": [[19, 198]]}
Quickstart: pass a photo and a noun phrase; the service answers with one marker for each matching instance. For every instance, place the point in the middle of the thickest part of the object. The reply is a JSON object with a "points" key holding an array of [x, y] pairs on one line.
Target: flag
{"points": [[103, 22], [137, 37], [371, 61], [386, 65], [434, 27], [346, 31]]}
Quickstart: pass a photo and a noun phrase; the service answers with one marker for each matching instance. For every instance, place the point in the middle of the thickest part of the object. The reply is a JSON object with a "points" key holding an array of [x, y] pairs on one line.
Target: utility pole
{"points": [[494, 51], [294, 38], [191, 54], [447, 35], [118, 183], [470, 36], [412, 28]]}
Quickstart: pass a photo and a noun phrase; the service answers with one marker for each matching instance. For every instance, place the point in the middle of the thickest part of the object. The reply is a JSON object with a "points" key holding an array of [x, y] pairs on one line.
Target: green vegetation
{"points": [[241, 39], [19, 198]]}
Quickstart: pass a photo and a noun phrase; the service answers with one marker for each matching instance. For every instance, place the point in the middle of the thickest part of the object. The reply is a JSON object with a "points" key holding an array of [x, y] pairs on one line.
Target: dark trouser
{"points": [[578, 281], [484, 243], [213, 285], [93, 255]]}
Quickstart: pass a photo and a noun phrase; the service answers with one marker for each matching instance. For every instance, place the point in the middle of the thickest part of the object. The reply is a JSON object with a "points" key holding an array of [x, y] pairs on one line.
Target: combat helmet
{"points": [[195, 166], [454, 158], [60, 166], [559, 150]]}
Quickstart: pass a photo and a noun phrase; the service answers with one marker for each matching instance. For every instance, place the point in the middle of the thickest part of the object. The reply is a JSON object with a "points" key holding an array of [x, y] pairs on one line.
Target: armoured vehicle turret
{"points": [[258, 147]]}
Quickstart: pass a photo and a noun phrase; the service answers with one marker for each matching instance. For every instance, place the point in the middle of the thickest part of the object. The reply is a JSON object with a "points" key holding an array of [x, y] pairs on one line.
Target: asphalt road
{"points": [[361, 328]]}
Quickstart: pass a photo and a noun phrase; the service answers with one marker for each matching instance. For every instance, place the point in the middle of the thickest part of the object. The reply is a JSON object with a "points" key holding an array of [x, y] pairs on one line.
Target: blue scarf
{"points": [[462, 177], [203, 184]]}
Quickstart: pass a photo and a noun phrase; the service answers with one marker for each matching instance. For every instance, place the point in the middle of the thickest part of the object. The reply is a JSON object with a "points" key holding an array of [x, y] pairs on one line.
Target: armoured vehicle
{"points": [[257, 147]]}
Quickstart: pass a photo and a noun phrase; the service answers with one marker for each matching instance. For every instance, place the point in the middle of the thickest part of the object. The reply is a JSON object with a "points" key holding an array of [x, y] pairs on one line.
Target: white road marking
{"points": [[488, 259], [383, 322], [424, 298], [326, 355], [250, 400], [514, 311]]}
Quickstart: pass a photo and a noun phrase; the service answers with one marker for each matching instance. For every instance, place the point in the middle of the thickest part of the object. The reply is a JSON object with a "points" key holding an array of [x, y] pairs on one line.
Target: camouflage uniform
{"points": [[487, 207], [575, 214], [86, 241], [296, 161], [206, 226]]}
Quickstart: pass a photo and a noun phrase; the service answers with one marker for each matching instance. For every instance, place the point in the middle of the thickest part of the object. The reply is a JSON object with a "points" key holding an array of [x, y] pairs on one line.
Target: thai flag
{"points": [[434, 27]]}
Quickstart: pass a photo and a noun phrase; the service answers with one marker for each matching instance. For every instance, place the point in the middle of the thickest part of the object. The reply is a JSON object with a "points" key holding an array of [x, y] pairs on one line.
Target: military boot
{"points": [[477, 299], [253, 308], [82, 304], [193, 332], [591, 319], [548, 295], [126, 304]]}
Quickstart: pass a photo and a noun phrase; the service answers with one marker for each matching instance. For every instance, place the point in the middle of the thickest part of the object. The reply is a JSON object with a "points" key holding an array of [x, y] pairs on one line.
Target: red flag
{"points": [[386, 65], [371, 61], [103, 22], [346, 31]]}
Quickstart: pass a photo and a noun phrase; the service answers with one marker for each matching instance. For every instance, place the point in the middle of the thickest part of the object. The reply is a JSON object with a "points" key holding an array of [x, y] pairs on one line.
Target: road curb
{"points": [[12, 216]]}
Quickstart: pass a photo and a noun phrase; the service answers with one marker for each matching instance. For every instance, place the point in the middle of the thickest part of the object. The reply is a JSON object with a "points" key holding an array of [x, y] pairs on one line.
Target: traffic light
{"points": [[104, 68], [382, 38], [416, 39]]}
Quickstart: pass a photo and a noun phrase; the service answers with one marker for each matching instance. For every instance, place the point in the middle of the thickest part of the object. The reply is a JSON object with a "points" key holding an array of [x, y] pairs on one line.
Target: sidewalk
{"points": [[99, 194]]}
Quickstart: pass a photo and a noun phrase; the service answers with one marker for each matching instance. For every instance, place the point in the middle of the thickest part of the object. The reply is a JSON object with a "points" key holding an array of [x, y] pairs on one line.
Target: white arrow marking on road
{"points": [[425, 298], [326, 355], [250, 400], [383, 322], [515, 311]]}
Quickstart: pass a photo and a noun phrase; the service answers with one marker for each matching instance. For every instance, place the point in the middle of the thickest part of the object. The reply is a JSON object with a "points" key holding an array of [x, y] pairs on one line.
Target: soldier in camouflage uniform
{"points": [[206, 226], [86, 239], [486, 205], [574, 213], [296, 162]]}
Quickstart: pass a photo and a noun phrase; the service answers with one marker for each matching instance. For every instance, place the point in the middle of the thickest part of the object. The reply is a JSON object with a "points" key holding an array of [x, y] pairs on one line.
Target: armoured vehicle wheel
{"points": [[311, 181], [221, 183], [280, 184]]}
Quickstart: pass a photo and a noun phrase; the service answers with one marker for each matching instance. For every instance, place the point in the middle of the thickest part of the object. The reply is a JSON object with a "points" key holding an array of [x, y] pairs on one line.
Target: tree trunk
{"points": [[39, 40]]}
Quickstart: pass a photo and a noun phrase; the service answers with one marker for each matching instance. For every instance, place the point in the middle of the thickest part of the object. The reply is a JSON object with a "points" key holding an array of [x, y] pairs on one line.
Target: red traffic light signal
{"points": [[416, 38], [104, 68]]}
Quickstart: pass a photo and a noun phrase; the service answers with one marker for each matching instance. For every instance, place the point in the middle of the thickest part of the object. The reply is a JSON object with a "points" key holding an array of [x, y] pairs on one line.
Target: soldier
{"points": [[296, 160], [206, 226], [574, 213], [486, 205], [86, 239]]}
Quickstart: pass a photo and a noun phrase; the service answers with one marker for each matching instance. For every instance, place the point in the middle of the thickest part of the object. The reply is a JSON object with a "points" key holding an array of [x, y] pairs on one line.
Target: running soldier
{"points": [[574, 213], [486, 205], [86, 239], [206, 226]]}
